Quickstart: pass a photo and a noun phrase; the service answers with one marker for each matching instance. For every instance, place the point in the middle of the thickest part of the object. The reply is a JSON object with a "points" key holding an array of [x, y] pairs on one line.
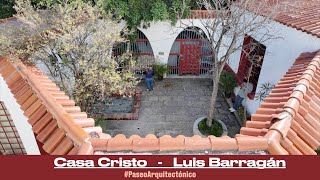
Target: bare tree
{"points": [[227, 23]]}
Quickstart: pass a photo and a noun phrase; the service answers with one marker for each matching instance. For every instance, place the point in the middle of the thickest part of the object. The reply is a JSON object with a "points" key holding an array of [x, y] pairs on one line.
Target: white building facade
{"points": [[279, 55]]}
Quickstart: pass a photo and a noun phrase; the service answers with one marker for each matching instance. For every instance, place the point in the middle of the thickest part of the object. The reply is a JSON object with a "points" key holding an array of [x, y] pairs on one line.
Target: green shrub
{"points": [[101, 122], [227, 82], [241, 113], [216, 128], [6, 8], [160, 69]]}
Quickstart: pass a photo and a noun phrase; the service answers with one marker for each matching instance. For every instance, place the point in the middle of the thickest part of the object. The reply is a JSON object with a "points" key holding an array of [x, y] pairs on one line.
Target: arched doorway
{"points": [[190, 53], [140, 49]]}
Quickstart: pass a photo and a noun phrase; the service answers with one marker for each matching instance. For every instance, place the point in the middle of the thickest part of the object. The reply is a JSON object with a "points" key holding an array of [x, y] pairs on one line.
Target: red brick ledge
{"points": [[7, 19]]}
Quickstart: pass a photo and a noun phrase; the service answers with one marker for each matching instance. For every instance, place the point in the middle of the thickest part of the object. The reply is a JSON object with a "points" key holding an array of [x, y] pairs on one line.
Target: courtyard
{"points": [[171, 109]]}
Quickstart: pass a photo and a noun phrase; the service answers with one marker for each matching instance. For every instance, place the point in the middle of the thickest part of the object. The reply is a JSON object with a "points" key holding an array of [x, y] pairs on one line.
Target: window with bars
{"points": [[10, 142], [140, 49]]}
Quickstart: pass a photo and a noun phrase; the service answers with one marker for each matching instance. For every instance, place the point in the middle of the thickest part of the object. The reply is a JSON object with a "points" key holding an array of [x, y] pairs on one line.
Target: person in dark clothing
{"points": [[149, 78]]}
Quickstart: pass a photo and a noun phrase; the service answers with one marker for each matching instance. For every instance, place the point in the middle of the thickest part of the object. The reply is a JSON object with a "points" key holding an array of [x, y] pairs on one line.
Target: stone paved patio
{"points": [[171, 108]]}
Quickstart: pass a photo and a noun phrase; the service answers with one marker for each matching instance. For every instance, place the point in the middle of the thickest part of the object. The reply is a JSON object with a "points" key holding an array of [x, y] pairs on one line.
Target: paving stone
{"points": [[223, 111], [150, 98], [166, 98], [172, 107]]}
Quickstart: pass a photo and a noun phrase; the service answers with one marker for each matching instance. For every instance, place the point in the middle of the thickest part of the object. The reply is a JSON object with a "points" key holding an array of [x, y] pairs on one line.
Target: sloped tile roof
{"points": [[297, 97], [303, 15], [56, 121]]}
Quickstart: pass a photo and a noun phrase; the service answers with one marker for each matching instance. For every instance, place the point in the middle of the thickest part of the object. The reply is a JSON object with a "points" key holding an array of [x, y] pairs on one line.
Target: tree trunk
{"points": [[213, 100]]}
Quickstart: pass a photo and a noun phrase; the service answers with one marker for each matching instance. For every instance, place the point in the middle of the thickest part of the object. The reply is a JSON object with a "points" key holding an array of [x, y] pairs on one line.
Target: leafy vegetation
{"points": [[160, 70], [215, 129], [101, 123], [242, 114], [6, 8], [135, 12], [72, 44], [264, 91], [228, 83]]}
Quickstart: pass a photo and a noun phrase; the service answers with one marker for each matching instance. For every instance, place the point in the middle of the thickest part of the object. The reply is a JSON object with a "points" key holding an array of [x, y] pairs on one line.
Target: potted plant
{"points": [[160, 70], [228, 83]]}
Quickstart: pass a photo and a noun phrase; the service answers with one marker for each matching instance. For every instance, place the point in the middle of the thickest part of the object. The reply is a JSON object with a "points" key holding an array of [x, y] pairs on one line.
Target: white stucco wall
{"points": [[162, 35], [281, 53], [20, 121]]}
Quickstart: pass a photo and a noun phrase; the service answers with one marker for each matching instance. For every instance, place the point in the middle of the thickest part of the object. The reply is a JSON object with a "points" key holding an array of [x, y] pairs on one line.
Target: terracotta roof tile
{"points": [[33, 108], [74, 151], [223, 144], [47, 131], [303, 16], [64, 147], [289, 146], [87, 122], [168, 143], [253, 131], [85, 149], [18, 86], [299, 143], [258, 124], [36, 116], [276, 148], [54, 140], [197, 143], [55, 119], [119, 143], [296, 129], [41, 124], [25, 96], [99, 144], [30, 101], [149, 143], [251, 143]]}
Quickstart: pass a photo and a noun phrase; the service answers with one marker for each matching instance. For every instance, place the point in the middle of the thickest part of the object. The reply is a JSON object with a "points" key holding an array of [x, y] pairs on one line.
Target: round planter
{"points": [[197, 132]]}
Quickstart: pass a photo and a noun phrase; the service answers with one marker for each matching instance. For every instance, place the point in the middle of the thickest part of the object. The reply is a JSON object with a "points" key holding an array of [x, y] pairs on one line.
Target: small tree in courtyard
{"points": [[228, 22], [73, 42]]}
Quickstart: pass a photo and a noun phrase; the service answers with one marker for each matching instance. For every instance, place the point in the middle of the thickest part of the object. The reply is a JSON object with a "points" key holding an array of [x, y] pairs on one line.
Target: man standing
{"points": [[245, 89], [149, 78]]}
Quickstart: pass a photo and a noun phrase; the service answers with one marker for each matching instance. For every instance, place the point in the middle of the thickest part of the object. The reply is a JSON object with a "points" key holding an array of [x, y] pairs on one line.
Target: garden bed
{"points": [[120, 108], [217, 129]]}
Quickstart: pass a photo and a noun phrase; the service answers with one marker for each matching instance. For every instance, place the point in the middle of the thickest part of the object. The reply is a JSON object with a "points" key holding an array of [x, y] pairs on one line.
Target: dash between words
{"points": [[178, 162]]}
